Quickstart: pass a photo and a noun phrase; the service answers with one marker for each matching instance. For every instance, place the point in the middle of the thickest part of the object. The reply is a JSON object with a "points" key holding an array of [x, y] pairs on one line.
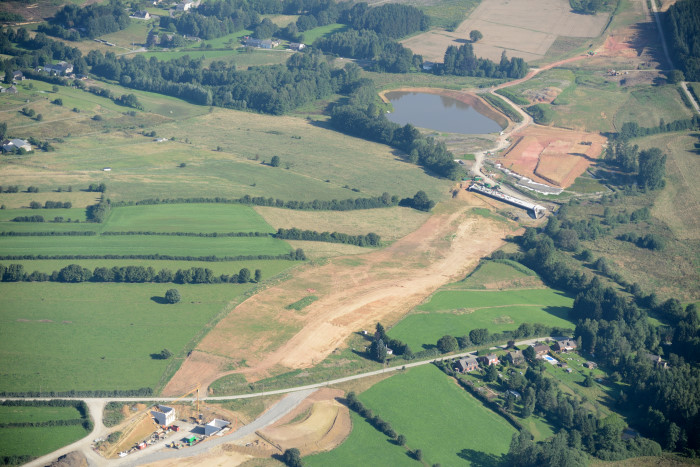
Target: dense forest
{"points": [[682, 21], [461, 61], [73, 22]]}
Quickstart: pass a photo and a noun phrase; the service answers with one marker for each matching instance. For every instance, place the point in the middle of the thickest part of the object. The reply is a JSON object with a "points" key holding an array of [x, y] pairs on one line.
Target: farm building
{"points": [[541, 349], [565, 345], [17, 76], [490, 359], [657, 361], [12, 144], [141, 15], [590, 365], [60, 68], [259, 43], [187, 4], [296, 46], [465, 365], [12, 90], [215, 426], [164, 415]]}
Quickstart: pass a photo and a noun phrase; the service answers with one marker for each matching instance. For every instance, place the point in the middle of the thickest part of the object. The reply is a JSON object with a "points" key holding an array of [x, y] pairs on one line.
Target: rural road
{"points": [[294, 397]]}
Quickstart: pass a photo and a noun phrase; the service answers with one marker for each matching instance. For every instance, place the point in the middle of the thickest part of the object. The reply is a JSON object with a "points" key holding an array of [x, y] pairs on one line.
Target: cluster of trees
{"points": [[74, 23], [650, 164], [75, 233], [462, 61], [9, 189], [542, 114], [367, 123], [648, 241], [38, 50], [28, 219], [391, 19], [51, 205], [141, 392], [682, 21], [96, 188], [190, 234], [385, 200], [98, 212], [616, 328], [381, 343], [371, 239], [587, 7], [75, 273], [387, 54], [129, 100], [419, 201]]}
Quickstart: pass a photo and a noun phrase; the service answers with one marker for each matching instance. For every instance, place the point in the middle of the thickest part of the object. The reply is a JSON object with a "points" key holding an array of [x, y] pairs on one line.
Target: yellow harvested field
{"points": [[516, 26]]}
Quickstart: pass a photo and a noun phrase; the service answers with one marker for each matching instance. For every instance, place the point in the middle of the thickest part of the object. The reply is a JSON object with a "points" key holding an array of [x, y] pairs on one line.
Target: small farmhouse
{"points": [[260, 43], [515, 357], [188, 5], [565, 345], [541, 349], [142, 15], [490, 359], [465, 365], [296, 46], [657, 361], [17, 76]]}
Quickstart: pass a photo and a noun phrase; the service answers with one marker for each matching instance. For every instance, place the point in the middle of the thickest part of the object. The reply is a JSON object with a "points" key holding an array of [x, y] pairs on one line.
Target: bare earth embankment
{"points": [[261, 336]]}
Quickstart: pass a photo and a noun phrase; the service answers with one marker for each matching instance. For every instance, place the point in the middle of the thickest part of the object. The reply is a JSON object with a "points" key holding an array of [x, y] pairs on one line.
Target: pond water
{"points": [[440, 113]]}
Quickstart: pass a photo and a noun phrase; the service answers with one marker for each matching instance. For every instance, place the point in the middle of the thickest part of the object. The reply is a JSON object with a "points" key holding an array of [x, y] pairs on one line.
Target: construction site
{"points": [[535, 210], [178, 425]]}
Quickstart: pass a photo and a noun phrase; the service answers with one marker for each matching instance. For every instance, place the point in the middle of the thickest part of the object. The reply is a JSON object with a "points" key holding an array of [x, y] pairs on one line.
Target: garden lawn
{"points": [[142, 245], [59, 337], [36, 442], [187, 218], [493, 310], [450, 426], [364, 446]]}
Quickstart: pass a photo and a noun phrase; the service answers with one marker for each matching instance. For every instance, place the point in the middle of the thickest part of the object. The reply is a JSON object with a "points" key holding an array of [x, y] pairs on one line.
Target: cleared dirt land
{"points": [[551, 155], [516, 26], [261, 337]]}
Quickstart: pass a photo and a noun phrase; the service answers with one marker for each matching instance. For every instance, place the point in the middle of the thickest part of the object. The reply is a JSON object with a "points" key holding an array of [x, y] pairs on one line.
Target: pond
{"points": [[442, 113]]}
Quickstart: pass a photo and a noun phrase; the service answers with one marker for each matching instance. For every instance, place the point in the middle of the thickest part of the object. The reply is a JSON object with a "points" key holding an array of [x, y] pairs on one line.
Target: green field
{"points": [[20, 414], [364, 446], [450, 426], [454, 312], [187, 218], [322, 31], [143, 245], [37, 441], [59, 337]]}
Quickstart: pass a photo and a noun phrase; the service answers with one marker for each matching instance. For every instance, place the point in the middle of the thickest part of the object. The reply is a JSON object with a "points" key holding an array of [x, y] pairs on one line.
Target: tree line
{"points": [[51, 205], [633, 130], [371, 239], [295, 255], [682, 29], [385, 200]]}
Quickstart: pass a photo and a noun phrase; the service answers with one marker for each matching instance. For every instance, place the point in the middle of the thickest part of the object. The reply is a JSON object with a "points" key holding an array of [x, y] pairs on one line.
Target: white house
{"points": [[61, 68], [188, 4]]}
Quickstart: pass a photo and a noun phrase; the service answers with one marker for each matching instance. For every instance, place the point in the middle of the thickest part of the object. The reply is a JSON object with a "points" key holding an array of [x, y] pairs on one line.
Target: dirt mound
{"points": [[199, 366], [540, 96], [552, 156], [320, 423], [72, 459]]}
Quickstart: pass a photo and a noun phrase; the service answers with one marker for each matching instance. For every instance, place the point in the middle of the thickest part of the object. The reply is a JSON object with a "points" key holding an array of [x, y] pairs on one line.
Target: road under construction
{"points": [[535, 209]]}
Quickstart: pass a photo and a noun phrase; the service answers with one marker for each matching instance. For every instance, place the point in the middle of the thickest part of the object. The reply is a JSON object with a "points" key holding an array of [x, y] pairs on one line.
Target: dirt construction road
{"points": [[354, 294]]}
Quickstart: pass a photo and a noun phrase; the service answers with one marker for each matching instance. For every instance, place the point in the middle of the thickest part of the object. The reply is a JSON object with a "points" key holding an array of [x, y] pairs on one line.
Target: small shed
{"points": [[591, 365]]}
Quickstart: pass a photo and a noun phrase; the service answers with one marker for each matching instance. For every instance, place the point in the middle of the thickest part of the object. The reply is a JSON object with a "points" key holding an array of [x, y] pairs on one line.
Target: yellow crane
{"points": [[187, 394]]}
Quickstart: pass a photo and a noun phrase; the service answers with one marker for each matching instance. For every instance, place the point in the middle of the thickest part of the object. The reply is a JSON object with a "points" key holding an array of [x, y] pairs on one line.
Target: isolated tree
{"points": [[379, 332], [258, 275], [3, 130], [475, 35], [172, 296], [39, 117], [418, 455], [491, 374], [529, 353], [675, 76], [292, 458], [588, 382], [165, 354], [447, 344], [479, 336], [275, 161], [401, 439]]}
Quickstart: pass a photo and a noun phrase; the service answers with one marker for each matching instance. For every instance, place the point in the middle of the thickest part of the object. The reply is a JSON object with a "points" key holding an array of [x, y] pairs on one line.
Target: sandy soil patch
{"points": [[551, 155], [218, 457], [320, 423], [354, 293], [201, 366], [618, 45], [511, 25], [140, 429]]}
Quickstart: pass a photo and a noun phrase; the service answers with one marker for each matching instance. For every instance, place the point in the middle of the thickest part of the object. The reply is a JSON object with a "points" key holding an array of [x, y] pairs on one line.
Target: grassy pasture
{"points": [[19, 414], [389, 223], [553, 78], [322, 31], [648, 105], [143, 245], [187, 218], [490, 272], [98, 336], [136, 33], [450, 426], [456, 312], [37, 441], [364, 446], [585, 184]]}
